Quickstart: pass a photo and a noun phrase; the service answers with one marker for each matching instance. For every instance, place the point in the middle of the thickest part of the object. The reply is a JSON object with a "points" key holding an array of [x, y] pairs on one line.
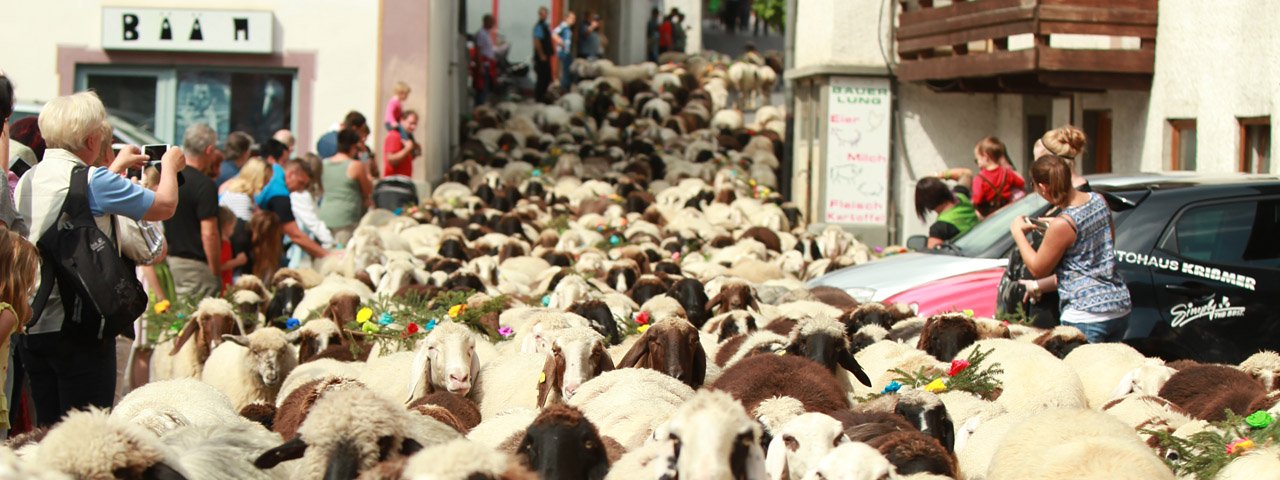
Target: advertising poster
{"points": [[203, 97], [857, 164]]}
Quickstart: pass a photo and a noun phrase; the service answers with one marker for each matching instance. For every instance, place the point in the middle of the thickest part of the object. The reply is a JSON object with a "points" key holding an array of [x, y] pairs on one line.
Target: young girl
{"points": [[19, 260], [395, 109], [996, 183], [1078, 246]]}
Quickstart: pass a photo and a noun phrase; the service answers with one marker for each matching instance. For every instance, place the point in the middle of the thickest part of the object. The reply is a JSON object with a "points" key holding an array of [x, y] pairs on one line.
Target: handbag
{"points": [[141, 241]]}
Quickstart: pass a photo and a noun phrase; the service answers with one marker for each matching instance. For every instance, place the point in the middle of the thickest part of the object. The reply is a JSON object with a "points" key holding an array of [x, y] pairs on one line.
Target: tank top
{"points": [[342, 203], [1087, 277]]}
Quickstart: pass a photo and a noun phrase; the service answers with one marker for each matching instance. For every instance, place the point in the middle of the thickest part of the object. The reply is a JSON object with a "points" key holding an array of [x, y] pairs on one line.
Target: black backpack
{"points": [[101, 295]]}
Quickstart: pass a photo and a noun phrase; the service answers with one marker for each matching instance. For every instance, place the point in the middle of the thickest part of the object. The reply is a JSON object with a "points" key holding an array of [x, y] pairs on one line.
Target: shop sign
{"points": [[185, 30], [857, 160]]}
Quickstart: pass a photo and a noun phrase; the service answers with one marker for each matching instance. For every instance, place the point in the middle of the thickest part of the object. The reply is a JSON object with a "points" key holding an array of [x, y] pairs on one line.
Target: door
{"points": [[1217, 274], [139, 96]]}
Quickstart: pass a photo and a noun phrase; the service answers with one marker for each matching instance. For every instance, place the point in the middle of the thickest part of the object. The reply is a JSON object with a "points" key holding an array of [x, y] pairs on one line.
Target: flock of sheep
{"points": [[654, 323]]}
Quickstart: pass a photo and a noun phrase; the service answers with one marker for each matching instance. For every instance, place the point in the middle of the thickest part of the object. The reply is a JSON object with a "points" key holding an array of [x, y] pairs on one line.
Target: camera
{"points": [[154, 153]]}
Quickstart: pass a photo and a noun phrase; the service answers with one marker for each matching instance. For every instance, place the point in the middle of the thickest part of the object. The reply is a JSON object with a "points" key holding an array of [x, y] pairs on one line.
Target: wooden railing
{"points": [[969, 42]]}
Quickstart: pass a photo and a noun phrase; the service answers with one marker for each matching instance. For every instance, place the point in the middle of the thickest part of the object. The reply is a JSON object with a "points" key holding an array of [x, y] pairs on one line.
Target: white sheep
{"points": [[1074, 443], [316, 298], [463, 460], [711, 436], [225, 451], [853, 461], [250, 368], [801, 443], [1107, 369], [572, 357], [446, 360], [727, 120], [497, 429], [629, 404], [169, 404], [184, 355], [91, 445], [1033, 379]]}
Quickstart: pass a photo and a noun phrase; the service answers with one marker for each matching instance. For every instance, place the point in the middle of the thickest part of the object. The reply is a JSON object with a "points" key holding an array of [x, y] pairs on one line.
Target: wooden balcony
{"points": [[1028, 46]]}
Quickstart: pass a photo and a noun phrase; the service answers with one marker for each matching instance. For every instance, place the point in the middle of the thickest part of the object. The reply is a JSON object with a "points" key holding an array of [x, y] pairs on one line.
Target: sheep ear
{"points": [[551, 378], [290, 450], [162, 471], [240, 340], [846, 360], [699, 363], [753, 303], [1126, 385], [637, 353], [711, 304], [187, 331], [409, 446], [776, 460], [417, 373], [605, 364]]}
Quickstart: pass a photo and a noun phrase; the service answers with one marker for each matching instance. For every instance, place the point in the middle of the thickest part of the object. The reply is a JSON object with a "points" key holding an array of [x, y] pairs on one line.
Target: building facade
{"points": [[246, 65]]}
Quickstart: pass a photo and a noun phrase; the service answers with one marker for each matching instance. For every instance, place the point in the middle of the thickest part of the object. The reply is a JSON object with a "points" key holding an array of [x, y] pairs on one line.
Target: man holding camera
{"points": [[195, 247]]}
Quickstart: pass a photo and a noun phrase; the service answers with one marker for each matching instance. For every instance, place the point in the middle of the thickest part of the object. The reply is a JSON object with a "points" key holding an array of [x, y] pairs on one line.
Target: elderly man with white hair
{"points": [[69, 373]]}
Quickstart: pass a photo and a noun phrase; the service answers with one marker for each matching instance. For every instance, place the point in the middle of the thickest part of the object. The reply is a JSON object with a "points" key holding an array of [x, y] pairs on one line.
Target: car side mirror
{"points": [[917, 243]]}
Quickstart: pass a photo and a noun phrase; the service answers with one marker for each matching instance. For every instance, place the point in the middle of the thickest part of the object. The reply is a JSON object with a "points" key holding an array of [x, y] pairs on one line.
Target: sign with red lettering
{"points": [[857, 162]]}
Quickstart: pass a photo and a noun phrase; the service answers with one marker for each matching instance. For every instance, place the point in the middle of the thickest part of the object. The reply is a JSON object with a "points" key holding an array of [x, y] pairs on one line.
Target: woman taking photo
{"points": [[1079, 246]]}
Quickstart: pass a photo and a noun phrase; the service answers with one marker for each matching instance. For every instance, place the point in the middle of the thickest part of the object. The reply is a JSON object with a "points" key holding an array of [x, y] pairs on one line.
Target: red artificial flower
{"points": [[412, 328], [957, 366], [642, 318]]}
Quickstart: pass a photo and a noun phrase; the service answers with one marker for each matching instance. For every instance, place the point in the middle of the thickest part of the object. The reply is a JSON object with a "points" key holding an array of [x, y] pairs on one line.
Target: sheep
{"points": [[1264, 366], [1111, 370], [610, 401], [446, 359], [574, 356], [454, 410], [672, 346], [742, 346], [852, 461], [711, 436], [12, 467], [880, 359], [945, 335], [287, 292], [730, 324], [250, 368], [224, 451], [802, 442], [1145, 412], [318, 297], [349, 431], [692, 296], [1033, 379], [1061, 340], [1074, 443], [562, 443], [733, 296], [823, 341], [91, 445], [296, 404], [314, 337], [463, 461], [1260, 464], [755, 379], [1207, 391], [169, 404], [185, 356]]}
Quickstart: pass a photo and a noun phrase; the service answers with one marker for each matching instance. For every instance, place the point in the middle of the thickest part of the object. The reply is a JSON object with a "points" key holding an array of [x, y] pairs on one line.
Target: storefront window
{"points": [[166, 101]]}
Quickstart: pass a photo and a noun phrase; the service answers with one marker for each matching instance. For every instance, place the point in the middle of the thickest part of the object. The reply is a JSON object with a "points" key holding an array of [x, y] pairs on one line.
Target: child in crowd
{"points": [[19, 261], [234, 256], [395, 109]]}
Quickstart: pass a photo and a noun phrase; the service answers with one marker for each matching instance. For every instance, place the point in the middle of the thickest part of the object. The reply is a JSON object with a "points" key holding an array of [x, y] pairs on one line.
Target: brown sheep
{"points": [[758, 378], [462, 408], [294, 409], [913, 452], [733, 296], [945, 335], [1207, 391], [1061, 340], [671, 346], [835, 297]]}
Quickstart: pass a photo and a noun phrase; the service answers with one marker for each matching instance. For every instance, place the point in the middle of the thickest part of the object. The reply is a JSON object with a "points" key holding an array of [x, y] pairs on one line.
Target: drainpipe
{"points": [[789, 54]]}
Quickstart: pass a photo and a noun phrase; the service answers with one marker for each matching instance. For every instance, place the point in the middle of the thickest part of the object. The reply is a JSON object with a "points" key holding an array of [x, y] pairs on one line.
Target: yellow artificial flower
{"points": [[936, 386], [642, 328], [364, 315], [162, 306], [456, 310], [542, 377]]}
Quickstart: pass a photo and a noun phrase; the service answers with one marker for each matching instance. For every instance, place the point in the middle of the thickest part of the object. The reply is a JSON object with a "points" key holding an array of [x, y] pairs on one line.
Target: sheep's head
{"points": [[1146, 380], [1264, 366], [248, 303], [711, 436], [801, 443], [90, 445], [853, 461], [562, 443], [733, 296], [314, 337], [574, 356], [945, 335], [824, 342], [348, 432], [671, 346], [288, 295], [270, 358], [213, 319], [342, 308], [446, 359]]}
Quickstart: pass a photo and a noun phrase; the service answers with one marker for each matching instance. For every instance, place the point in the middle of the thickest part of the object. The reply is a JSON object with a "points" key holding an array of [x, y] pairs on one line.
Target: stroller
{"points": [[395, 192]]}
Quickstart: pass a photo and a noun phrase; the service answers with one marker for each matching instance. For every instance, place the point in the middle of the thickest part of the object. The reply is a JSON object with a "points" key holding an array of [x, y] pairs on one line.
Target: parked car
{"points": [[1200, 254], [126, 132]]}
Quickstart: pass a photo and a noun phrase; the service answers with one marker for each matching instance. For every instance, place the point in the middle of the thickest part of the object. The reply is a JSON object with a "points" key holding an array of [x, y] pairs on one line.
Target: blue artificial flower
{"points": [[546, 300], [614, 240], [385, 319], [398, 210], [292, 323], [892, 387], [537, 172], [430, 325]]}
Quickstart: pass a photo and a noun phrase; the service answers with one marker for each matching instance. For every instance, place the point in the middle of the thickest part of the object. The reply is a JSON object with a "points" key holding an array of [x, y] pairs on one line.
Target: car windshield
{"points": [[994, 228]]}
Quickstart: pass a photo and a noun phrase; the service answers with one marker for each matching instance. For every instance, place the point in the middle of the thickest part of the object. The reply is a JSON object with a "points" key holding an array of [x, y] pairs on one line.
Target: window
{"points": [[1182, 148], [1097, 128], [1255, 145], [165, 101], [1234, 233]]}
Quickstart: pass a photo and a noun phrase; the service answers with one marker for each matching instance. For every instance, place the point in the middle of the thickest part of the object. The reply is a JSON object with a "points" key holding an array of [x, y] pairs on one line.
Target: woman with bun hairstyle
{"points": [[1067, 142], [1079, 247]]}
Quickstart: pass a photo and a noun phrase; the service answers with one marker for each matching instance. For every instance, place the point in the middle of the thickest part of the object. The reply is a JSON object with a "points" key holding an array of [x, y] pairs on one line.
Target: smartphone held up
{"points": [[154, 153]]}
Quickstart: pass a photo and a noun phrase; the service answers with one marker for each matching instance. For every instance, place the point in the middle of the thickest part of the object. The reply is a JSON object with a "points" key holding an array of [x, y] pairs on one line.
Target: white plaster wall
{"points": [[342, 33], [1128, 124], [843, 32], [938, 131], [1215, 62]]}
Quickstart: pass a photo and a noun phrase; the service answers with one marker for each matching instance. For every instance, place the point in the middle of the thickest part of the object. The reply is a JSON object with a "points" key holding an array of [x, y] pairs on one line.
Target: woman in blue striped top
{"points": [[1078, 246]]}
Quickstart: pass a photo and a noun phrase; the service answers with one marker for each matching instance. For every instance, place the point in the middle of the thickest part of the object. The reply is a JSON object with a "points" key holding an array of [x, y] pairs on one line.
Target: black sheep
{"points": [[693, 297], [562, 443]]}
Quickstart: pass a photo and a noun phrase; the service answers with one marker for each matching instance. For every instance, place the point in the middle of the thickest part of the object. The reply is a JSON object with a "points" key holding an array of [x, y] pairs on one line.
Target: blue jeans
{"points": [[1100, 332], [565, 81]]}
